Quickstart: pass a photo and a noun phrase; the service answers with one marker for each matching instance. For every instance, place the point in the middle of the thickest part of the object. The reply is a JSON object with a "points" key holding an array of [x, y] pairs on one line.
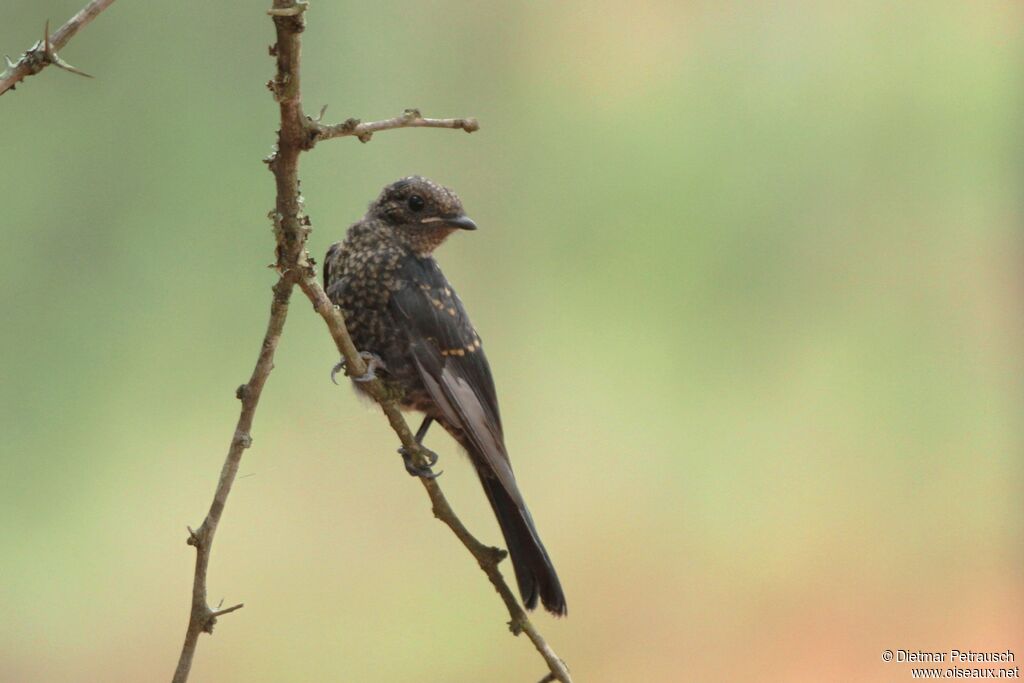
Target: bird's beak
{"points": [[460, 222]]}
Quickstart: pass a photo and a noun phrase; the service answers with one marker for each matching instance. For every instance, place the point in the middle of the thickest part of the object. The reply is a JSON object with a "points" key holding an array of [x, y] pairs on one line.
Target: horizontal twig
{"points": [[411, 118]]}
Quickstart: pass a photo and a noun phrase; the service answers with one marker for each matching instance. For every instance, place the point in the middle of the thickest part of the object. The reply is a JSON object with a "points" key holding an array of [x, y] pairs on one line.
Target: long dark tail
{"points": [[534, 572]]}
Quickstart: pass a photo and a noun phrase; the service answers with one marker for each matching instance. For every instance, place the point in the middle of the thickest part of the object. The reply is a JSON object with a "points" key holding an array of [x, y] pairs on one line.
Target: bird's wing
{"points": [[452, 364], [329, 268]]}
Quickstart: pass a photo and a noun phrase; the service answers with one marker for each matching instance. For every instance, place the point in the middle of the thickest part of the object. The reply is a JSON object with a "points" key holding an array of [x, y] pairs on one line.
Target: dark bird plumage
{"points": [[399, 306]]}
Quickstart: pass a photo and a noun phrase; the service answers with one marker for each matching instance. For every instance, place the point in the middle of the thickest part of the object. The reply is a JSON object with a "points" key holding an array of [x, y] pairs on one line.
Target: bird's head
{"points": [[420, 213]]}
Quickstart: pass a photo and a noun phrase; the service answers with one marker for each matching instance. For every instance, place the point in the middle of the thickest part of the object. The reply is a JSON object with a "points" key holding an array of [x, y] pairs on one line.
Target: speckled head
{"points": [[420, 212]]}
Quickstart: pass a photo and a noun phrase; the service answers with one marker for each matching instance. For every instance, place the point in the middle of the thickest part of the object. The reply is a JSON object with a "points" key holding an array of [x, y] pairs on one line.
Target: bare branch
{"points": [[291, 230], [201, 617], [299, 133], [44, 52], [410, 119]]}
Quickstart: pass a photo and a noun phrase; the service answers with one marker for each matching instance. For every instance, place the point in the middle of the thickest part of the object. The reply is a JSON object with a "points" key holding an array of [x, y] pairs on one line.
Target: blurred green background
{"points": [[749, 276]]}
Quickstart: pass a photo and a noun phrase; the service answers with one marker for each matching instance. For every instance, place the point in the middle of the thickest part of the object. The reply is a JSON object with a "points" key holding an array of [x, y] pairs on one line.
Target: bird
{"points": [[411, 326]]}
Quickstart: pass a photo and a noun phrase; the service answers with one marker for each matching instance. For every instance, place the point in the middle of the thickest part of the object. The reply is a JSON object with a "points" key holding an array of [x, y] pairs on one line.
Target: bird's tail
{"points": [[534, 572]]}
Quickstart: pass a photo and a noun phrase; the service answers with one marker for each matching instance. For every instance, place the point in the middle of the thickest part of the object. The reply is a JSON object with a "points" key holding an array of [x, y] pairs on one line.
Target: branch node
{"points": [[241, 391], [243, 439], [277, 86], [50, 56], [209, 619], [515, 625], [298, 8], [196, 538], [496, 555]]}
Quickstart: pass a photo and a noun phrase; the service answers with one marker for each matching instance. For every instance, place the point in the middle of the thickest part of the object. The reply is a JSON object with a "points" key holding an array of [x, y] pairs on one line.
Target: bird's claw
{"points": [[373, 363], [336, 369], [413, 469]]}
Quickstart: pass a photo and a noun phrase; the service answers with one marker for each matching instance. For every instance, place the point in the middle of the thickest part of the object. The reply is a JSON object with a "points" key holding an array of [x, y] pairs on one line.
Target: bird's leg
{"points": [[407, 457], [373, 363]]}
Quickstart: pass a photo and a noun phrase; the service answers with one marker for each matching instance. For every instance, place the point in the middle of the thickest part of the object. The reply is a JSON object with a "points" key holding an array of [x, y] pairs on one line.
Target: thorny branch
{"points": [[299, 133], [44, 52]]}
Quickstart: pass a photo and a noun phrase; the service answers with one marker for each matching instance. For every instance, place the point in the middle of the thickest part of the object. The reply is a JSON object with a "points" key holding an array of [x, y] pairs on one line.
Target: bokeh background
{"points": [[749, 276]]}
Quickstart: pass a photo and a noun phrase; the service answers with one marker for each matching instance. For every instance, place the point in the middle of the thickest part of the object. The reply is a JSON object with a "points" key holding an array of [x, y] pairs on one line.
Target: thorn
{"points": [[228, 610], [9, 69], [53, 58], [60, 63]]}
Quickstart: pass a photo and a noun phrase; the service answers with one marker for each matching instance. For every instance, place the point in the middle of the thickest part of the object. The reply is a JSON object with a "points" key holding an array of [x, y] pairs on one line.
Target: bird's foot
{"points": [[415, 470], [373, 363]]}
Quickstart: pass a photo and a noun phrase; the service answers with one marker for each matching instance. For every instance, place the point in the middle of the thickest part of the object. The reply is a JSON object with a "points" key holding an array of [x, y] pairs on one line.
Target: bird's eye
{"points": [[416, 203]]}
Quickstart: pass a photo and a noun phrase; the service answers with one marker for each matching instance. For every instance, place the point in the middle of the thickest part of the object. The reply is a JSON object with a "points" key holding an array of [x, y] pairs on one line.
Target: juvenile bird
{"points": [[406, 318]]}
